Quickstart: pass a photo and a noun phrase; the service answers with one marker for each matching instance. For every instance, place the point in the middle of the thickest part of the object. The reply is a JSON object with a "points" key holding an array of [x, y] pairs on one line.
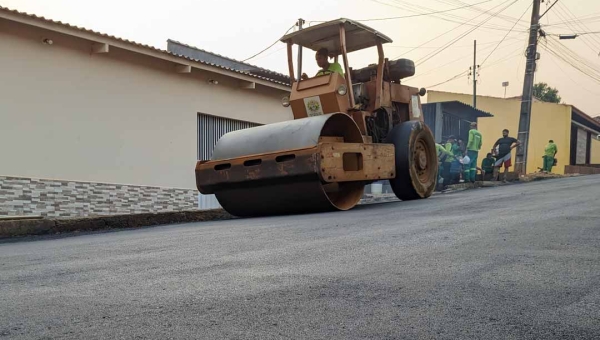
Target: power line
{"points": [[572, 59], [449, 80], [586, 18], [446, 32], [504, 17], [271, 53], [508, 57], [572, 54], [462, 57], [497, 62], [559, 13], [577, 33], [579, 23], [571, 79], [486, 58], [273, 44], [421, 14], [456, 19], [455, 46], [431, 55]]}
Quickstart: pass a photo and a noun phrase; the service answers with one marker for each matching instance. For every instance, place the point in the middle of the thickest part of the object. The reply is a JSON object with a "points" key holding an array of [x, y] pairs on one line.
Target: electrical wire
{"points": [[563, 53], [273, 44], [271, 53], [447, 32], [449, 80], [567, 52], [462, 57], [420, 14], [431, 55], [563, 16], [504, 17], [455, 46], [446, 17], [571, 79], [578, 33], [497, 62], [580, 24], [586, 18], [486, 58], [512, 55]]}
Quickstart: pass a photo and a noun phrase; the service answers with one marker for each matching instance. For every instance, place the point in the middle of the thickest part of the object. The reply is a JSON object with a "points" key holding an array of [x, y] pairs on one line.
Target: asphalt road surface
{"points": [[514, 262]]}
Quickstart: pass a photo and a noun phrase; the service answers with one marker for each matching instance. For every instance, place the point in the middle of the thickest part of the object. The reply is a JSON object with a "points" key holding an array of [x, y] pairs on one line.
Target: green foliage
{"points": [[546, 93]]}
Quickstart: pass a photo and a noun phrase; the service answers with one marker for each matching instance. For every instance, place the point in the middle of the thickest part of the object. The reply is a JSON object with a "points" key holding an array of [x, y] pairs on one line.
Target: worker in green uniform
{"points": [[450, 159], [322, 58], [549, 154], [487, 165], [473, 147], [442, 154], [455, 166]]}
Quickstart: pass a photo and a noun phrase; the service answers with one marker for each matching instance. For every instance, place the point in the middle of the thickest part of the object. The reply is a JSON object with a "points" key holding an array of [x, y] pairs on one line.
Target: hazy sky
{"points": [[239, 29]]}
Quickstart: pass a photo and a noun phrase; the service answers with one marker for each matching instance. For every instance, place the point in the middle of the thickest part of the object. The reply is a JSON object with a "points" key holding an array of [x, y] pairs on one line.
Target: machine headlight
{"points": [[285, 101], [342, 90]]}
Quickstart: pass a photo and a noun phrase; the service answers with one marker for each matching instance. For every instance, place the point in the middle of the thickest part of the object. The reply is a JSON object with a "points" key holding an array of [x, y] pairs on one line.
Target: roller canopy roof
{"points": [[327, 34]]}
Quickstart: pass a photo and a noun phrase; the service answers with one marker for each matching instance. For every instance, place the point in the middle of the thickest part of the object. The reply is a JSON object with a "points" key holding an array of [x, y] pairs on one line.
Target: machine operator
{"points": [[322, 58]]}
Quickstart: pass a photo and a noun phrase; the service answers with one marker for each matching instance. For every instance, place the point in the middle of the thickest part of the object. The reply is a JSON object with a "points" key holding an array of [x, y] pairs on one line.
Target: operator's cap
{"points": [[473, 124]]}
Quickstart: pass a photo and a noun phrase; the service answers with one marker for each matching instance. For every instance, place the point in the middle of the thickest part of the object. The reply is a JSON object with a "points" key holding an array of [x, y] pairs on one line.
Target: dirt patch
{"points": [[542, 176]]}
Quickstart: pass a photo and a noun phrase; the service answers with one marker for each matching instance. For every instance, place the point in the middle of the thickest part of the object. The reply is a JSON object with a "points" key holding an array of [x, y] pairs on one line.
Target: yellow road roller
{"points": [[351, 127]]}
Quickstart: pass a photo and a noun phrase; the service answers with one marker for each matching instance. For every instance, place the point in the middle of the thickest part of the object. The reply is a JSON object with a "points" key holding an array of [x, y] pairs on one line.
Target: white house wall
{"points": [[117, 117]]}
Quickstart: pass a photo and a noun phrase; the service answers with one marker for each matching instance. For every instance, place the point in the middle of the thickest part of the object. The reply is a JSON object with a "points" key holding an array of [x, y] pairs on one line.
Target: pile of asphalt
{"points": [[20, 227]]}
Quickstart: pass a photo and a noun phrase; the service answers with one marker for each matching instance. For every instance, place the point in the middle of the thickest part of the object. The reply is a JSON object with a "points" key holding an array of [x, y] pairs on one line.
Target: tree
{"points": [[546, 93]]}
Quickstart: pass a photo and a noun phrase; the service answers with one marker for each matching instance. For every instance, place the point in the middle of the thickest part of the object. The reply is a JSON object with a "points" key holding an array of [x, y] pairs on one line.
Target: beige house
{"points": [[94, 124]]}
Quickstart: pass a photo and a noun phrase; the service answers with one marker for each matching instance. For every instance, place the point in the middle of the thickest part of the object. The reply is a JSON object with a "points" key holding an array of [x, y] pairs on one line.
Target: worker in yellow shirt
{"points": [[322, 58]]}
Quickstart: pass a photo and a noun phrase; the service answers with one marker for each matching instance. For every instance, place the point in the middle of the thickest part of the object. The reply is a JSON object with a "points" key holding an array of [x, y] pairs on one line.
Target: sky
{"points": [[241, 28]]}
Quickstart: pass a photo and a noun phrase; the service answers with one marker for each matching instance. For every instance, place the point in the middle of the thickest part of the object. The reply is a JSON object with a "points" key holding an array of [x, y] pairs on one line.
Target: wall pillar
{"points": [[439, 123]]}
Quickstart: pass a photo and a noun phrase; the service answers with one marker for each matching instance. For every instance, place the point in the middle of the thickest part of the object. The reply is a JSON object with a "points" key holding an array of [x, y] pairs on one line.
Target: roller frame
{"points": [[331, 161]]}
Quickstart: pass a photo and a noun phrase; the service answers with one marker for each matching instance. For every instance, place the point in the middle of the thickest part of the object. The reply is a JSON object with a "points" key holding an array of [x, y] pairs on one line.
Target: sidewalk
{"points": [[377, 198]]}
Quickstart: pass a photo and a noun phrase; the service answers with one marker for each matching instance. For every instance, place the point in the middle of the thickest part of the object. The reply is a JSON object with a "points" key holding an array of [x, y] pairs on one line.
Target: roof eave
{"points": [[147, 50], [583, 115]]}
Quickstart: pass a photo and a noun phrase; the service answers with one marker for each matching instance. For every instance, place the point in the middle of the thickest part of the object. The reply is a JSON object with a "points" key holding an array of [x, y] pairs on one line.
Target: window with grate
{"points": [[211, 128]]}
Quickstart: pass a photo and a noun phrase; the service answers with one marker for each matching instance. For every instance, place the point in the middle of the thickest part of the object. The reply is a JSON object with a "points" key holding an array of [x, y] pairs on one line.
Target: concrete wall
{"points": [[120, 118], [582, 169], [548, 121]]}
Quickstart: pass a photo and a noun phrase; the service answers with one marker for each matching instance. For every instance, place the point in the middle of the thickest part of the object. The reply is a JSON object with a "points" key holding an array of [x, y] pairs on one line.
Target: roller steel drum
{"points": [[287, 195]]}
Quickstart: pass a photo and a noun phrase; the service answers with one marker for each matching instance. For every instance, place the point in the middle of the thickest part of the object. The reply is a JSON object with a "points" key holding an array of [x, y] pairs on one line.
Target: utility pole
{"points": [[300, 23], [526, 97], [475, 73]]}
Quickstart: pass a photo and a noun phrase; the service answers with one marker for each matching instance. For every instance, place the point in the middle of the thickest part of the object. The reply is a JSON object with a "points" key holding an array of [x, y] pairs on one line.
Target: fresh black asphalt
{"points": [[513, 262]]}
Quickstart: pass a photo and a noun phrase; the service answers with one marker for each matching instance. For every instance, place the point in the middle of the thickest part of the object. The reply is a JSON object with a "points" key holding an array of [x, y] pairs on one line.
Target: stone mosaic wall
{"points": [[55, 198]]}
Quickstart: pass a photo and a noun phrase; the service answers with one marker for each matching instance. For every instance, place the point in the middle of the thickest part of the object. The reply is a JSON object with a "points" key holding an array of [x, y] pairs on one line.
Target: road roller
{"points": [[350, 129]]}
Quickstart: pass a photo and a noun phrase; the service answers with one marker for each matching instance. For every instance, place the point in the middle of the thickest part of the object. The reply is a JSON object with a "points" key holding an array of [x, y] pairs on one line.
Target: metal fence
{"points": [[452, 125], [429, 116]]}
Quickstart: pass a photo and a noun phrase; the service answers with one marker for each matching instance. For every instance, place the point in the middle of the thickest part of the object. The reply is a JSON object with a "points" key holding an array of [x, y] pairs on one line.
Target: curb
{"points": [[30, 227]]}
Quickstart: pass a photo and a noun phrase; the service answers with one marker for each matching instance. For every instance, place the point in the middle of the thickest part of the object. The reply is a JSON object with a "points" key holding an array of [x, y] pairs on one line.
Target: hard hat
{"points": [[466, 160]]}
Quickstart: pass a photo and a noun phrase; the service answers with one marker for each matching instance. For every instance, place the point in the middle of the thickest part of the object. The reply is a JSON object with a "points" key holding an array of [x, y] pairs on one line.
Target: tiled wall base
{"points": [[57, 198]]}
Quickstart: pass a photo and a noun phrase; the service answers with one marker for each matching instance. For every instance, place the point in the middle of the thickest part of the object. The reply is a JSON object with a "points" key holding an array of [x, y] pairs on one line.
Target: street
{"points": [[515, 262]]}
